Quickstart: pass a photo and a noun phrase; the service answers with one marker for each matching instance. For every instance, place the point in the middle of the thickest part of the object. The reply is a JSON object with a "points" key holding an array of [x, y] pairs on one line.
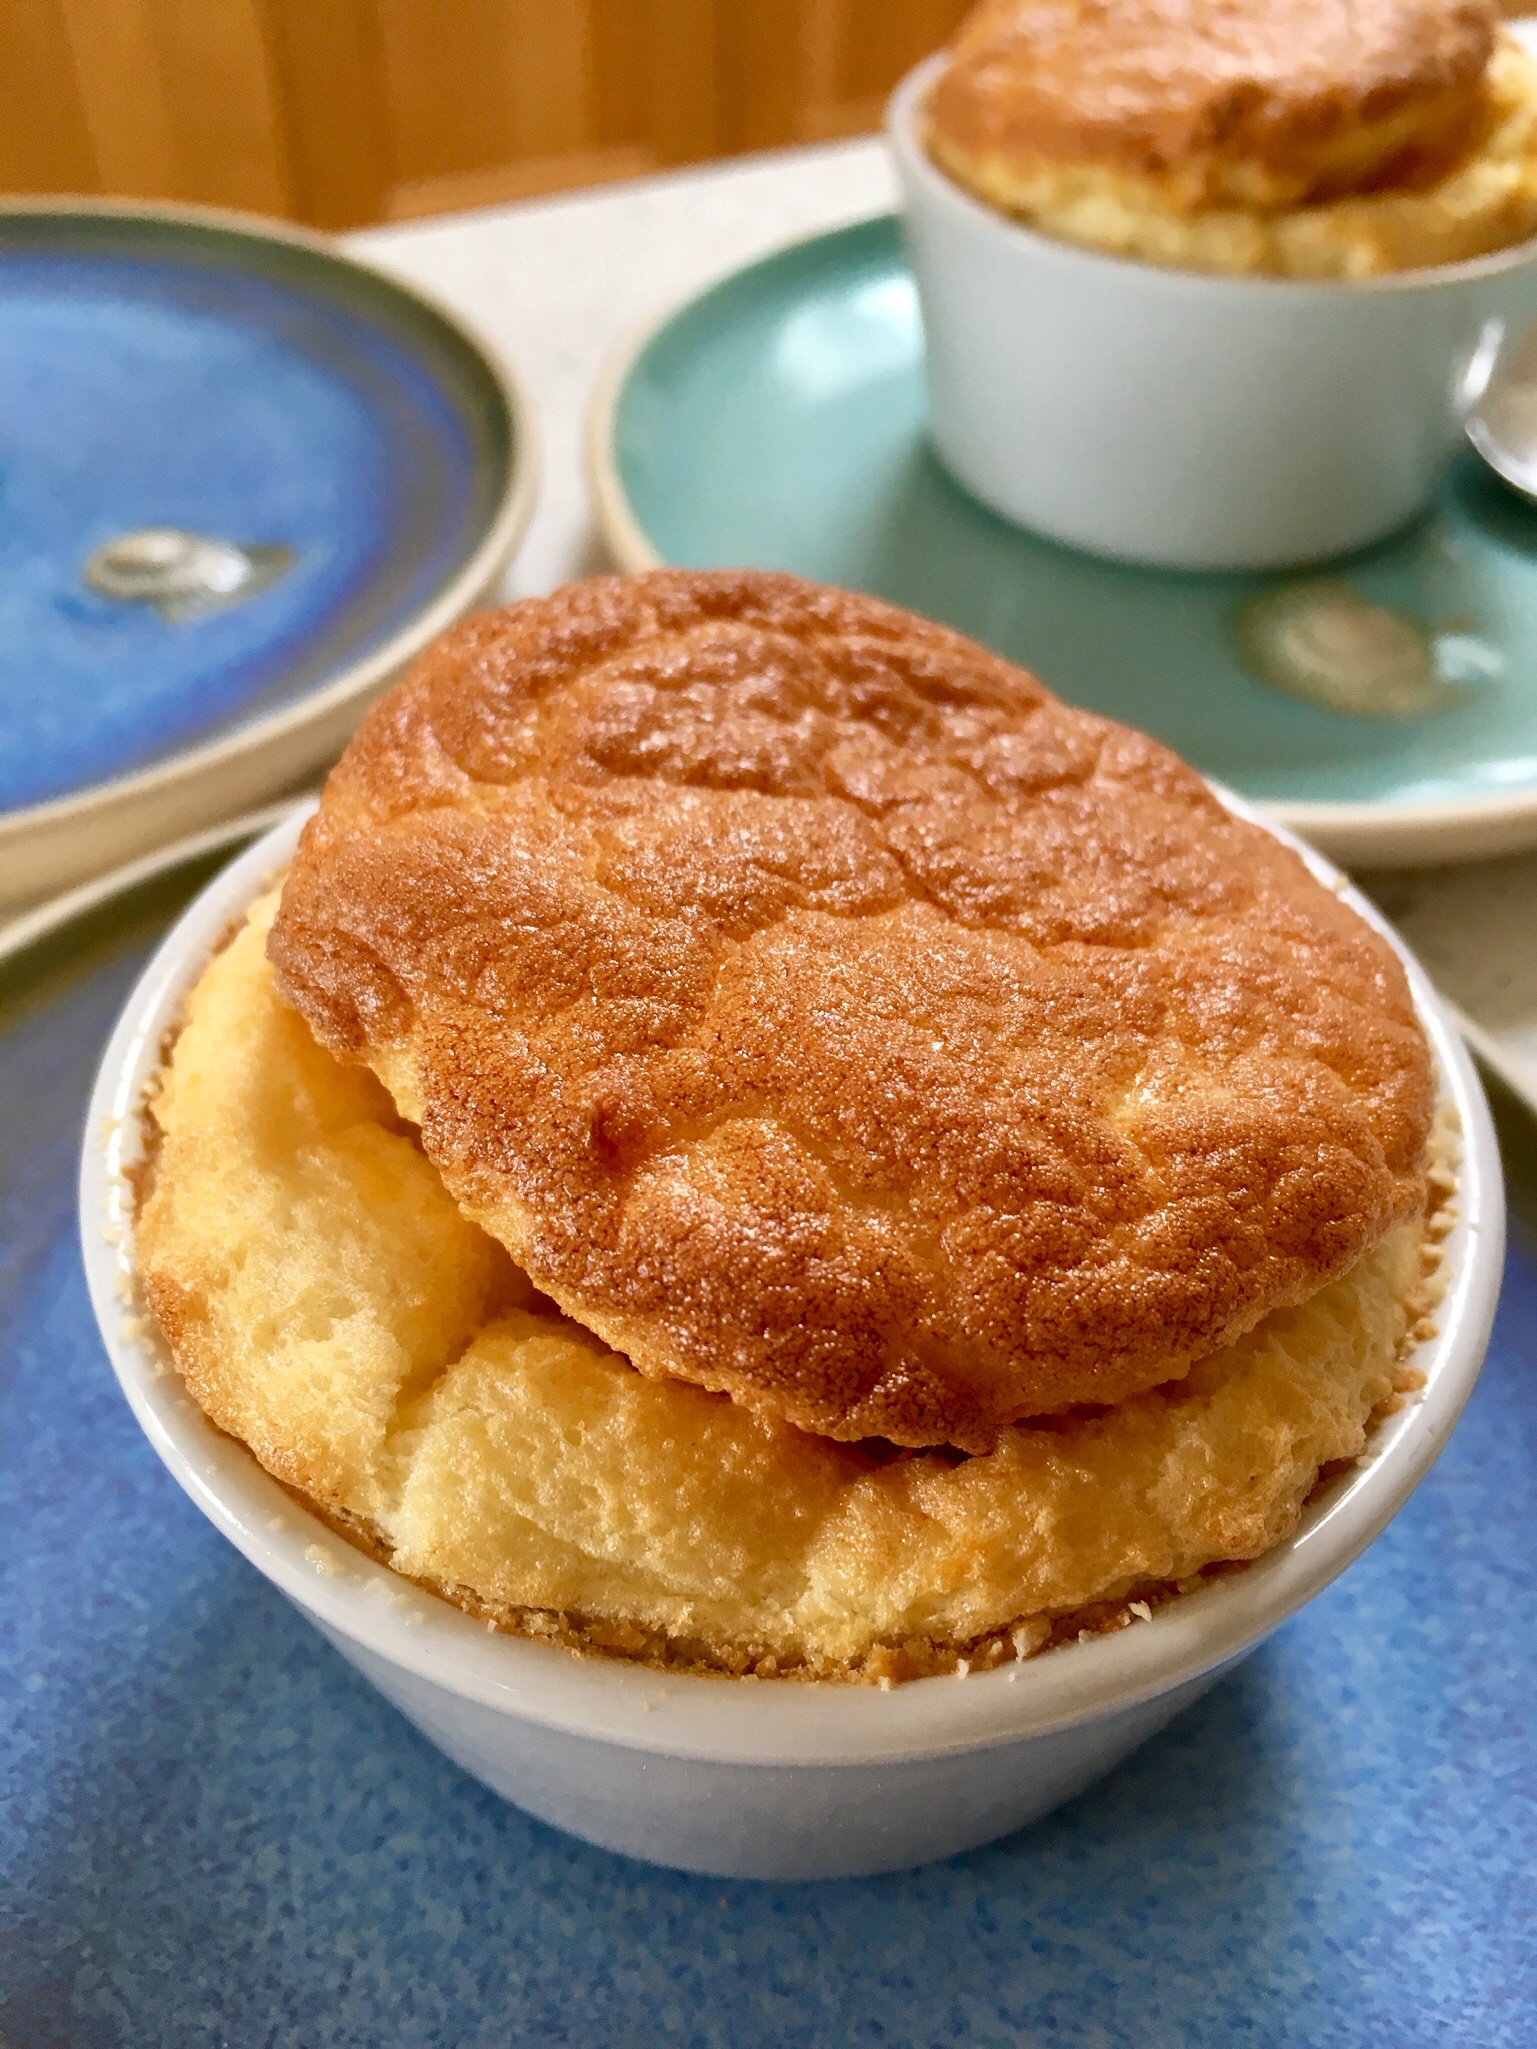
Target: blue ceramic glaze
{"points": [[214, 1835], [155, 375], [778, 422]]}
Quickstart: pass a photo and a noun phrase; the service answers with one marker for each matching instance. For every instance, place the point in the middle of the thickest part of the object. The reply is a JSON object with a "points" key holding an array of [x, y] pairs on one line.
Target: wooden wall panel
{"points": [[619, 41], [760, 73], [445, 84], [214, 59], [174, 99], [340, 112], [45, 142], [681, 119], [880, 39], [864, 47], [122, 97], [550, 101], [329, 81]]}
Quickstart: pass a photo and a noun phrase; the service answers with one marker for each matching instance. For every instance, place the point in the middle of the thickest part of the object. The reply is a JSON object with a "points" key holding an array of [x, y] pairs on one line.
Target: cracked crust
{"points": [[822, 1013], [1259, 103], [328, 1304], [1315, 139]]}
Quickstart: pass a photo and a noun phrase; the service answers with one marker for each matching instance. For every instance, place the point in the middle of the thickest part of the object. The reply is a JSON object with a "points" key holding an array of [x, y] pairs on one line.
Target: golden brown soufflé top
{"points": [[822, 1013], [1248, 103]]}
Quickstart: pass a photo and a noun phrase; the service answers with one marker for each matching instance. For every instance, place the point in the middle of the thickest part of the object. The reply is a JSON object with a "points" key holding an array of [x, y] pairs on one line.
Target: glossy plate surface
{"points": [[778, 421], [214, 1832], [315, 460]]}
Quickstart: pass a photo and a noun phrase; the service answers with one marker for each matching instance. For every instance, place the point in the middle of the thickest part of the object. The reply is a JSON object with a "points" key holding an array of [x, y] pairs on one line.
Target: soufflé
{"points": [[754, 1138], [1292, 138]]}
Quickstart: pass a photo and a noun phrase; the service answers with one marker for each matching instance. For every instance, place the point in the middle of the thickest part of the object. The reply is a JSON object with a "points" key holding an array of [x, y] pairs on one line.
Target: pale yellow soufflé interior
{"points": [[1304, 139], [330, 1305]]}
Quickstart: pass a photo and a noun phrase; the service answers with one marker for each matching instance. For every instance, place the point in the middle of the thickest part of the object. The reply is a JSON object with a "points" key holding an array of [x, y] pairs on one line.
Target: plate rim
{"points": [[362, 679], [1387, 834]]}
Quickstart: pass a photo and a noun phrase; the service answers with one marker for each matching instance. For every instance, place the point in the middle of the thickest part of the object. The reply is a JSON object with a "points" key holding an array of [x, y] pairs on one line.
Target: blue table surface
{"points": [[214, 1833]]}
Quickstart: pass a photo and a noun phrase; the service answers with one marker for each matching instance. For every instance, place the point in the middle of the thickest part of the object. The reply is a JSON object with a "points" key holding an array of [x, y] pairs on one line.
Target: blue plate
{"points": [[240, 476], [778, 421], [213, 1832]]}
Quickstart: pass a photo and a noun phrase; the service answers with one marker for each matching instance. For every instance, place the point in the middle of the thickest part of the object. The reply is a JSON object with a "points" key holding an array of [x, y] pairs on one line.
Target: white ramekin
{"points": [[749, 1778], [1182, 419]]}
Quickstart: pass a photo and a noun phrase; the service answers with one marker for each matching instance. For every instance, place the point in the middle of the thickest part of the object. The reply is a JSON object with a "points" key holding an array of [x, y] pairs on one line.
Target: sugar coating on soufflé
{"points": [[1324, 138], [821, 1013], [328, 1303]]}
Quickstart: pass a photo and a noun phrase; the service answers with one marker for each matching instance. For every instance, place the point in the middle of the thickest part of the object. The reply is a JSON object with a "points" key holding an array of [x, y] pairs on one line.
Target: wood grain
{"points": [[45, 139], [121, 96], [328, 79], [340, 112]]}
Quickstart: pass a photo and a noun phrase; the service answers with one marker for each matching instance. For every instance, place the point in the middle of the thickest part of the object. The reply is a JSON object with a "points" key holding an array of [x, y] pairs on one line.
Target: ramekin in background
{"points": [[736, 1777], [1183, 419]]}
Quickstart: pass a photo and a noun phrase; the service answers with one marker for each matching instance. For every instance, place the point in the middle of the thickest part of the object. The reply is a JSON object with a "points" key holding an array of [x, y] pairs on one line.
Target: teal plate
{"points": [[777, 421]]}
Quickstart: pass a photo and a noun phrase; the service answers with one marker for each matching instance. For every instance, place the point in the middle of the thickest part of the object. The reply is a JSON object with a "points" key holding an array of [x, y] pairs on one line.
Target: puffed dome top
{"points": [[1248, 103], [822, 1013]]}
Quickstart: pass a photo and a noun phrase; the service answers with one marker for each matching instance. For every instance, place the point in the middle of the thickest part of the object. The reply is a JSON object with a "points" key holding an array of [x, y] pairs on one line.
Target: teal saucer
{"points": [[777, 421]]}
